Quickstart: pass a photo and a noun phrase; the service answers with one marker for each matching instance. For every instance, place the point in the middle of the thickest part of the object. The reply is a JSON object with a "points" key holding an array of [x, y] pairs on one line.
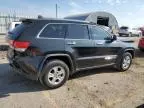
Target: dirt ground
{"points": [[98, 88]]}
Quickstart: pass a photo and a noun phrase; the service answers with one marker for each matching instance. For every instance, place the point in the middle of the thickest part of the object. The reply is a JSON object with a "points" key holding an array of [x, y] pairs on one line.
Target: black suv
{"points": [[50, 50]]}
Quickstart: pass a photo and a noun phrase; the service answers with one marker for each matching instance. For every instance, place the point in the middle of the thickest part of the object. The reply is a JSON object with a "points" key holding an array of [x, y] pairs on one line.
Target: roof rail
{"points": [[93, 23]]}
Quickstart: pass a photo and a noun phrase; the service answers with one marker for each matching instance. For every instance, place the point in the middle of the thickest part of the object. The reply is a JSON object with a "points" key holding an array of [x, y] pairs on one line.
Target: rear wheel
{"points": [[125, 62], [56, 73]]}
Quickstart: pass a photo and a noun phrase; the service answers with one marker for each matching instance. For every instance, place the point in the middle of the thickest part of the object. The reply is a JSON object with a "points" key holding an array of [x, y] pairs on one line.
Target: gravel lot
{"points": [[98, 88]]}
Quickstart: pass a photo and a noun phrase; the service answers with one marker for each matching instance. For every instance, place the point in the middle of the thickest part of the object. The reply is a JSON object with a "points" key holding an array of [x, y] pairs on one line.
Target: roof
{"points": [[57, 20]]}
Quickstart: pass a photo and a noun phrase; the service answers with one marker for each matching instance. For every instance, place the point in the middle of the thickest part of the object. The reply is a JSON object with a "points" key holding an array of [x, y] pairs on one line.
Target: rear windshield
{"points": [[16, 25], [17, 31], [124, 28]]}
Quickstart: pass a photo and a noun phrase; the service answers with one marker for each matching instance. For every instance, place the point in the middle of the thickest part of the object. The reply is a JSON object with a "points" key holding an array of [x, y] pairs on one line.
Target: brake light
{"points": [[19, 45]]}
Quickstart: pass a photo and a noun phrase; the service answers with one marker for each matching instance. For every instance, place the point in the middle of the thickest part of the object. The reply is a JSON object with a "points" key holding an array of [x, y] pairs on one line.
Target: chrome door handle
{"points": [[71, 43], [99, 43]]}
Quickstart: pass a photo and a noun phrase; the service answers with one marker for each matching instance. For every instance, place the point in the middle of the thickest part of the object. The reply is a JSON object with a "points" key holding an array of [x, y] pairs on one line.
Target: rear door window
{"points": [[76, 31], [54, 31]]}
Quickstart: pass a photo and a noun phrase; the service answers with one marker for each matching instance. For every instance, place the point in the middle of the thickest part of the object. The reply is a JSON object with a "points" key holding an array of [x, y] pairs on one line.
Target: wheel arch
{"points": [[131, 51], [64, 57]]}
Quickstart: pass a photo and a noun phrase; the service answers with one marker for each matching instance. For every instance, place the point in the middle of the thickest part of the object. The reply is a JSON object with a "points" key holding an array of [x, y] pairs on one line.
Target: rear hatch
{"points": [[22, 39], [17, 46]]}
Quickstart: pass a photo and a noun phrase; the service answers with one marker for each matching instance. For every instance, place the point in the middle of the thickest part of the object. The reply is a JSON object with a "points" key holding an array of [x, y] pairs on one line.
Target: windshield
{"points": [[124, 28]]}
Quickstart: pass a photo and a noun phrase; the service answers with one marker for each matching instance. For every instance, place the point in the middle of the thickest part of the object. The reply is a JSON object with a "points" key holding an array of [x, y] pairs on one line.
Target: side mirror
{"points": [[111, 39], [114, 37]]}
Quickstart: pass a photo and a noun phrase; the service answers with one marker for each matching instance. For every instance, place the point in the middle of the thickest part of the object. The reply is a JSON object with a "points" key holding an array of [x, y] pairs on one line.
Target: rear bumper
{"points": [[20, 71], [27, 66]]}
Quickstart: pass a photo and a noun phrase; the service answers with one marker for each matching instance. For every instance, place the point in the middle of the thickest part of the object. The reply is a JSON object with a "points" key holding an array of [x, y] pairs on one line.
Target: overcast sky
{"points": [[127, 12]]}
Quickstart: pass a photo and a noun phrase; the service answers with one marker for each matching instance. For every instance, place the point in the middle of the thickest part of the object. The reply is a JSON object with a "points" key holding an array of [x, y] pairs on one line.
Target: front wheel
{"points": [[56, 74], [125, 62]]}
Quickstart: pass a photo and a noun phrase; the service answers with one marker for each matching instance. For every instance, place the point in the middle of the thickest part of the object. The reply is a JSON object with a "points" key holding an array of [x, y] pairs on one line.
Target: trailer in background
{"points": [[100, 18]]}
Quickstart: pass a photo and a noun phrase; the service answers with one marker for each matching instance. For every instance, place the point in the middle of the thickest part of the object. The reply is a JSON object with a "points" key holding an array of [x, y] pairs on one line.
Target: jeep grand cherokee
{"points": [[50, 50]]}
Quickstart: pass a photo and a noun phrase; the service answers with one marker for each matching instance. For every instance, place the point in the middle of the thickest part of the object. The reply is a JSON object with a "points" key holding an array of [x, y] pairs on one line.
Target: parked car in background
{"points": [[50, 50], [142, 30], [141, 44], [136, 32], [13, 25], [126, 34], [124, 31]]}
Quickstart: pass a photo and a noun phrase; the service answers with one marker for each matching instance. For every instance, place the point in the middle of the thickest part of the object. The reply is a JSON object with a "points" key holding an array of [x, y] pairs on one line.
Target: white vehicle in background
{"points": [[13, 25], [136, 32], [127, 34], [125, 31]]}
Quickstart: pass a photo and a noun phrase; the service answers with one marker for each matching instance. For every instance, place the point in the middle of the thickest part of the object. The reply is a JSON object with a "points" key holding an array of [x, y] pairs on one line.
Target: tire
{"points": [[56, 73], [120, 66]]}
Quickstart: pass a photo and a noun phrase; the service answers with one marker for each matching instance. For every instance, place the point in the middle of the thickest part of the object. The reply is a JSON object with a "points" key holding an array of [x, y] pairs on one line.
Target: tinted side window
{"points": [[76, 31], [54, 31], [98, 33]]}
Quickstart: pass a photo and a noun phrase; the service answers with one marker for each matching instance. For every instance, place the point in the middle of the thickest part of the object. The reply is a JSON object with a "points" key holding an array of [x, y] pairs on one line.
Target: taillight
{"points": [[19, 45]]}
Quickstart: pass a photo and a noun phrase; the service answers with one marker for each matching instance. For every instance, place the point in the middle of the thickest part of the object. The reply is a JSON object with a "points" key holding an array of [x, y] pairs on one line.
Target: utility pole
{"points": [[56, 11]]}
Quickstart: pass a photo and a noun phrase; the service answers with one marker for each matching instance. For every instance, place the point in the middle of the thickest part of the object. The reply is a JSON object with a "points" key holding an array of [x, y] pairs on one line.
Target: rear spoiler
{"points": [[27, 20]]}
